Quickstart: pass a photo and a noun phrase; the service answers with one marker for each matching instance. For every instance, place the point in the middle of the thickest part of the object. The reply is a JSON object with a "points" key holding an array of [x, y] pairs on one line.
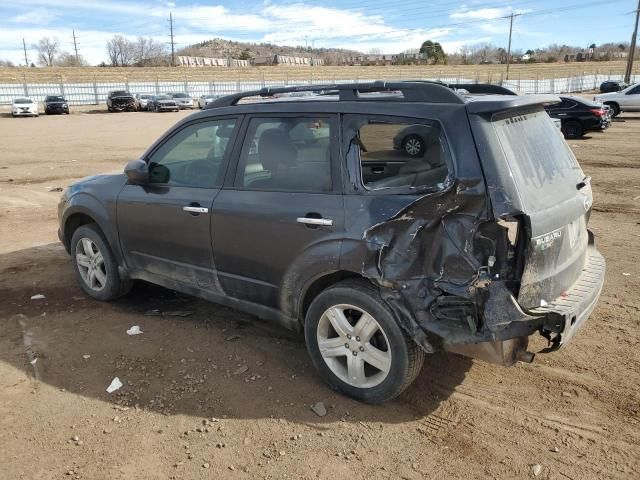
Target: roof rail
{"points": [[418, 91]]}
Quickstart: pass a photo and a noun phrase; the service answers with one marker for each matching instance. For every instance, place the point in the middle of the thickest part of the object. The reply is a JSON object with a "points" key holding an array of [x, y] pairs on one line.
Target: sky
{"points": [[364, 25]]}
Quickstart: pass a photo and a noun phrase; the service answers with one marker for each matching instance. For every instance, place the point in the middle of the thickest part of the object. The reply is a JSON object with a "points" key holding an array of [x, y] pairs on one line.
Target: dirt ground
{"points": [[219, 394]]}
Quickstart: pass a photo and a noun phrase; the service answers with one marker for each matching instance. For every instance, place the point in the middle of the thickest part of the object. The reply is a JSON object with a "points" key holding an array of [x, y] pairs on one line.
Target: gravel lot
{"points": [[219, 394]]}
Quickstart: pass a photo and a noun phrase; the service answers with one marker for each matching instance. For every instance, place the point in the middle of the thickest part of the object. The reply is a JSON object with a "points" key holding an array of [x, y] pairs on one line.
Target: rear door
{"points": [[552, 191], [280, 214], [165, 226]]}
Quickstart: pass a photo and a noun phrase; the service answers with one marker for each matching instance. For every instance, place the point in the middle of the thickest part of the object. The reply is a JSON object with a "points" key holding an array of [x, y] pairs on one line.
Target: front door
{"points": [[630, 101], [165, 225], [281, 213]]}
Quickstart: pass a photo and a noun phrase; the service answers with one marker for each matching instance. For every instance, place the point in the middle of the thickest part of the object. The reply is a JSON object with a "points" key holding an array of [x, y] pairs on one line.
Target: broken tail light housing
{"points": [[598, 112]]}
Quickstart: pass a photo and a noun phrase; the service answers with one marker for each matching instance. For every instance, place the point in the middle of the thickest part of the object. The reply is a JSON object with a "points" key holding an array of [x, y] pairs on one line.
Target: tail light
{"points": [[598, 112]]}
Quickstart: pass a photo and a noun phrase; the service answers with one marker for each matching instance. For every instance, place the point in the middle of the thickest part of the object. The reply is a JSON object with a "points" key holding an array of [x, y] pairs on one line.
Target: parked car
{"points": [[627, 100], [120, 101], [55, 104], [141, 101], [205, 100], [182, 99], [578, 116], [162, 103], [612, 86], [300, 210], [24, 106]]}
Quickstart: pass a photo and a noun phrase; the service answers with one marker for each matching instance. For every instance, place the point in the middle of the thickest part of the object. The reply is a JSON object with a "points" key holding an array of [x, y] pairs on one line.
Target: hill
{"points": [[220, 48]]}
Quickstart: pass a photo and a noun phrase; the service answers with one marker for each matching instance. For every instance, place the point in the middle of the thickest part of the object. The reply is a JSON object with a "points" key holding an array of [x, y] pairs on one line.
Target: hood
{"points": [[608, 94]]}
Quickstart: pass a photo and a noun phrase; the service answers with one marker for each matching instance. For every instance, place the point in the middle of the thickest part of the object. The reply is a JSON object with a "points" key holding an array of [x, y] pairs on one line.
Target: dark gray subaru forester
{"points": [[385, 220]]}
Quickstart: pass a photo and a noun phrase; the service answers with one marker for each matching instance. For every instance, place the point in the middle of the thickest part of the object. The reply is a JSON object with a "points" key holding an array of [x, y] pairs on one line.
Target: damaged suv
{"points": [[302, 209]]}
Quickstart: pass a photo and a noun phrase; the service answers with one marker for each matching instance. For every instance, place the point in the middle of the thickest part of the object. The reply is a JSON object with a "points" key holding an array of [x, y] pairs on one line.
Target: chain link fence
{"points": [[95, 92]]}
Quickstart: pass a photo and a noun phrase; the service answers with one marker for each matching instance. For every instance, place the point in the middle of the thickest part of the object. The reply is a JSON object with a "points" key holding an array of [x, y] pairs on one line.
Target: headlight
{"points": [[64, 105]]}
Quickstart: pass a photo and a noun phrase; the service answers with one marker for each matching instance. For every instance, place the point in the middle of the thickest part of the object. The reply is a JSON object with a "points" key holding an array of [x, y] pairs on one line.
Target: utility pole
{"points": [[632, 48], [173, 53], [75, 47], [510, 17], [26, 59]]}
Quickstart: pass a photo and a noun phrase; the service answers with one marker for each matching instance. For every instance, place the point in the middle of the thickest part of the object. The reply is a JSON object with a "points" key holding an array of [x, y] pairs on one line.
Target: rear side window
{"points": [[400, 153], [542, 164], [286, 154]]}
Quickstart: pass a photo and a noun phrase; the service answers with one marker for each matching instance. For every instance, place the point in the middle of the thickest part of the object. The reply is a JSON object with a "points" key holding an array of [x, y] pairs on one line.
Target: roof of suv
{"points": [[478, 98]]}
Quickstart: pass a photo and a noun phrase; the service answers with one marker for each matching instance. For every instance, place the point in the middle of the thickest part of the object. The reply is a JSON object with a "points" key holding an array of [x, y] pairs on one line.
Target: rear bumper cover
{"points": [[558, 321]]}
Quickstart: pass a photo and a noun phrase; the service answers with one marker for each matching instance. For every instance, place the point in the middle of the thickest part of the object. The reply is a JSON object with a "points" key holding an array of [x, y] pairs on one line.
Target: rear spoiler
{"points": [[494, 103]]}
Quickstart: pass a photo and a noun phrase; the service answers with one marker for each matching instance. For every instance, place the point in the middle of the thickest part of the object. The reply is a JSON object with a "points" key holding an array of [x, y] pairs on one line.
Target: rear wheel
{"points": [[413, 146], [572, 129], [95, 266], [615, 109], [356, 344]]}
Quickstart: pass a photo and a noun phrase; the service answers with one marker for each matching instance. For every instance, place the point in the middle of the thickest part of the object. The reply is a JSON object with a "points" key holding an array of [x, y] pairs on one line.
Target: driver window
{"points": [[192, 157]]}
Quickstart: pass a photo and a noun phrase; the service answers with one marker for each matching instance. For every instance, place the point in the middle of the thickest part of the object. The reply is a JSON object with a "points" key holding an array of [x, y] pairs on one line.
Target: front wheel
{"points": [[356, 344], [95, 266], [413, 146], [615, 109]]}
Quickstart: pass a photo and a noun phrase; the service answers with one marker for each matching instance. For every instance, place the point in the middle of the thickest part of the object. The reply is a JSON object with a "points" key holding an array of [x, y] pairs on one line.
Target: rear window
{"points": [[542, 164]]}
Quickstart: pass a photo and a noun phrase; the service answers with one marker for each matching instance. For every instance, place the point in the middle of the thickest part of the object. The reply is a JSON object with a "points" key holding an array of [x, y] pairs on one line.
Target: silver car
{"points": [[182, 99]]}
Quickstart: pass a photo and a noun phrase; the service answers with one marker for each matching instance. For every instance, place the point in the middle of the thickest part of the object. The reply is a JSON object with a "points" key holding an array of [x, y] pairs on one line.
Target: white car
{"points": [[627, 100], [24, 106], [205, 100], [141, 101]]}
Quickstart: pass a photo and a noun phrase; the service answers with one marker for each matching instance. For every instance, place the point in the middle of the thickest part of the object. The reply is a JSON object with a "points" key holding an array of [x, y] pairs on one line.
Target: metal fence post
{"points": [[186, 85], [263, 80], [518, 80], [537, 87], [95, 91], [126, 83], [553, 83], [61, 86], [157, 86], [24, 85]]}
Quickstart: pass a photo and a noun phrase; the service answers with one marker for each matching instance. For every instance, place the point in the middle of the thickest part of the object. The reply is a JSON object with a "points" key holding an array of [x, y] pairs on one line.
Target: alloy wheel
{"points": [[90, 264], [354, 346], [413, 146]]}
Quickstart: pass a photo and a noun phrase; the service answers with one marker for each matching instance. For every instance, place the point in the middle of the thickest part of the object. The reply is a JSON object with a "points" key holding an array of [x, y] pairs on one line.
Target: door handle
{"points": [[326, 222], [191, 209]]}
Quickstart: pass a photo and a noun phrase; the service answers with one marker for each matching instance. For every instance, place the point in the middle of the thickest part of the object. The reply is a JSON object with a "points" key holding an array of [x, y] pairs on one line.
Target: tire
{"points": [[572, 129], [109, 109], [413, 145], [398, 358], [91, 252], [157, 108], [615, 109]]}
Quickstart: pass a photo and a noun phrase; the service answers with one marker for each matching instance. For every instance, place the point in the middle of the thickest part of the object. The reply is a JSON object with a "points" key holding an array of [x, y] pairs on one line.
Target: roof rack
{"points": [[412, 91]]}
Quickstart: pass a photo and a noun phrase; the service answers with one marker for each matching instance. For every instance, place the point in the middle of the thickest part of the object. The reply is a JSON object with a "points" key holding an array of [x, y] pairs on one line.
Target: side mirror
{"points": [[137, 172]]}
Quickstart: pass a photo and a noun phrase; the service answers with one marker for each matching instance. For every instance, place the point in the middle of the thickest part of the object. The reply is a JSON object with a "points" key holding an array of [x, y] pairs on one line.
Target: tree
{"points": [[48, 49], [6, 63], [65, 59], [149, 52], [245, 55], [433, 52]]}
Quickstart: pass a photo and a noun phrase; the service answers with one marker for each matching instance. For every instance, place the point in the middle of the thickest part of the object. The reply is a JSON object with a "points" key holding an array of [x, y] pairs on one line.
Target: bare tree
{"points": [[6, 63], [48, 49], [66, 59], [149, 52], [121, 51]]}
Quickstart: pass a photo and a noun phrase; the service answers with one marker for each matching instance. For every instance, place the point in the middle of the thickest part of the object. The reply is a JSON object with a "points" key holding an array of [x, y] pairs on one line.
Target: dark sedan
{"points": [[612, 86], [55, 104], [578, 116]]}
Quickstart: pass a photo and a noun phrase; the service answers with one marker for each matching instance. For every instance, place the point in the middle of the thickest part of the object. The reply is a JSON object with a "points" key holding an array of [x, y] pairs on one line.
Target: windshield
{"points": [[180, 95], [542, 164], [54, 98], [119, 93], [22, 100], [163, 97], [144, 97]]}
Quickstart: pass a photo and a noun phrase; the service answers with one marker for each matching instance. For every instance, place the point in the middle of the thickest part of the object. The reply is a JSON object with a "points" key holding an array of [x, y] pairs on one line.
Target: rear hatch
{"points": [[539, 180]]}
